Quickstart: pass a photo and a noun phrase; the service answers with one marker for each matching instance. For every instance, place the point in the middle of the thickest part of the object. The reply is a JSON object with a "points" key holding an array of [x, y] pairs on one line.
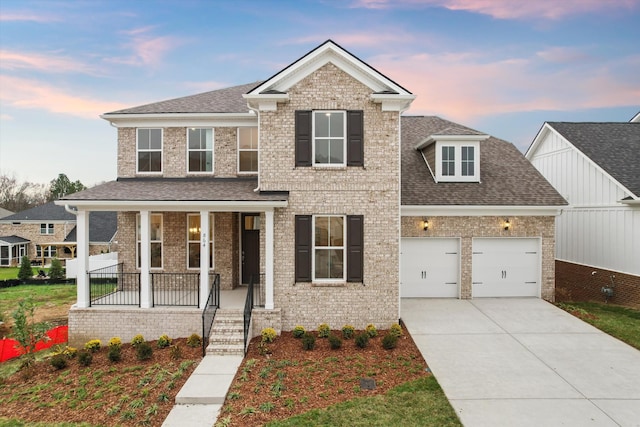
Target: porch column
{"points": [[268, 261], [145, 259], [204, 258], [82, 262]]}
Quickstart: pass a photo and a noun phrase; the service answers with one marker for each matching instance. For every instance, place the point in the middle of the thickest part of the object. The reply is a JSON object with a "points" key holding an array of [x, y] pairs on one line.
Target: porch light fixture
{"points": [[507, 224], [425, 224]]}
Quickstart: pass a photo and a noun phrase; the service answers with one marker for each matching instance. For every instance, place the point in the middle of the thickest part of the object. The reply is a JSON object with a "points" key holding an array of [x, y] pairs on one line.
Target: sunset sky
{"points": [[500, 66]]}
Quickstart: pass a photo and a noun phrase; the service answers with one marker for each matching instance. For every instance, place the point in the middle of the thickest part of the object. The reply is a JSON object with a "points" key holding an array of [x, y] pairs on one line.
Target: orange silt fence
{"points": [[10, 349]]}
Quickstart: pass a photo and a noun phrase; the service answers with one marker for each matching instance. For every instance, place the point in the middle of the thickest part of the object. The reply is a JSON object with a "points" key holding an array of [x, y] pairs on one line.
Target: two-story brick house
{"points": [[296, 180]]}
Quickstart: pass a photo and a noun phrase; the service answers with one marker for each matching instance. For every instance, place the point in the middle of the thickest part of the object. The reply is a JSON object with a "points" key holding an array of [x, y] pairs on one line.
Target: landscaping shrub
{"points": [[93, 345], [390, 341], [298, 331], [115, 353], [58, 361], [176, 352], [25, 272], [56, 272], [268, 335], [70, 352], [115, 342], [371, 330], [85, 358], [323, 330], [194, 340], [334, 342], [144, 351], [348, 331], [164, 341], [137, 340], [362, 340], [308, 341], [396, 330]]}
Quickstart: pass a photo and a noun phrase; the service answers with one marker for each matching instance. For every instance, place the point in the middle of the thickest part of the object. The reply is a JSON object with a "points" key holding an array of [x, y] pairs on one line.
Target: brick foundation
{"points": [[575, 282]]}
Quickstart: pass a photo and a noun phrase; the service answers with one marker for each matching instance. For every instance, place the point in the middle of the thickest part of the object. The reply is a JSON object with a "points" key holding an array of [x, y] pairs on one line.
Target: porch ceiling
{"points": [[182, 194]]}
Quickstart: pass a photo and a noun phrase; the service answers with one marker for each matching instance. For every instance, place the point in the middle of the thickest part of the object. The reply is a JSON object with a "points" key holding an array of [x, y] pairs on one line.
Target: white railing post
{"points": [[145, 259], [268, 277], [204, 258], [82, 254]]}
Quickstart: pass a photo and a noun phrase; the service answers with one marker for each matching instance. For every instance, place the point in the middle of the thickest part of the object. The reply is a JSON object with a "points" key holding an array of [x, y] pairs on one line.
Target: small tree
{"points": [[56, 272], [25, 272], [26, 330]]}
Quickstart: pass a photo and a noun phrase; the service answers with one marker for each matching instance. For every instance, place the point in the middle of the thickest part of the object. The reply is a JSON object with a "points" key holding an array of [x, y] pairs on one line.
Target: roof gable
{"points": [[613, 146], [384, 90]]}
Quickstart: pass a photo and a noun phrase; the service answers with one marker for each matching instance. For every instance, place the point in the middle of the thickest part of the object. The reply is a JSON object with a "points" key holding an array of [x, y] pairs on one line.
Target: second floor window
{"points": [[46, 228], [458, 162], [200, 150], [248, 150], [149, 148], [329, 132]]}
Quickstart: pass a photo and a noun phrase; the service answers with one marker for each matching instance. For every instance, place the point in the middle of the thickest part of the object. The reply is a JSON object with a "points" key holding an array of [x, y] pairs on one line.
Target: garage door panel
{"points": [[429, 267], [506, 267]]}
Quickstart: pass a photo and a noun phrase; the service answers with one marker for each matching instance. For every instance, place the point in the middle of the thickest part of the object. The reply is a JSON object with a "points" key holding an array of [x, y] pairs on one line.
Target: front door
{"points": [[250, 246]]}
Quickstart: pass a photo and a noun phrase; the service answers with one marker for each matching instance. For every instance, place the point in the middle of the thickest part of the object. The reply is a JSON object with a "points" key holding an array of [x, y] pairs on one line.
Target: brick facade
{"points": [[576, 282], [371, 191], [468, 227]]}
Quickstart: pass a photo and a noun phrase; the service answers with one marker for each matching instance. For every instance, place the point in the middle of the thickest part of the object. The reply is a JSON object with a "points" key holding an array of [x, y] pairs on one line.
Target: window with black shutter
{"points": [[355, 246], [355, 138], [303, 248], [303, 138]]}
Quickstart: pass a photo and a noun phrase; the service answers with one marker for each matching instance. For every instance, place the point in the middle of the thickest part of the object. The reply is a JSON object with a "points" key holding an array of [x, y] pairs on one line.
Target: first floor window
{"points": [[193, 241], [155, 238], [248, 150], [329, 248], [46, 228], [149, 148], [200, 150], [47, 252]]}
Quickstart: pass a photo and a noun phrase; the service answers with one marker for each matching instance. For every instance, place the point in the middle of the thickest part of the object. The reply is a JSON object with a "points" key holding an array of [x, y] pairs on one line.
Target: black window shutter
{"points": [[355, 138], [303, 138], [355, 246], [303, 248]]}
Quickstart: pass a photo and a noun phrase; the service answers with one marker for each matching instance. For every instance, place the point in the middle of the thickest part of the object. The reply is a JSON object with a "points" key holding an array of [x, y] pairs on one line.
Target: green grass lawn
{"points": [[617, 321], [9, 273], [416, 403], [48, 296]]}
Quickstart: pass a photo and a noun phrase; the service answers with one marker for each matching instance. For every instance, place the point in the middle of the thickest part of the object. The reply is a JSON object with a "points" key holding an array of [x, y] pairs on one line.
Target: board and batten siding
{"points": [[595, 229]]}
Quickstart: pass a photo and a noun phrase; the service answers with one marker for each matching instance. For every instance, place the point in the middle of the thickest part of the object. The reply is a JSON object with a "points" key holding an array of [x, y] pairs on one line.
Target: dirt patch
{"points": [[55, 315]]}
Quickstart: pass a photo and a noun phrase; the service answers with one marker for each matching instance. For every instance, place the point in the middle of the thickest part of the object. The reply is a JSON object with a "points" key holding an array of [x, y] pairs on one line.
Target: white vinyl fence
{"points": [[95, 262]]}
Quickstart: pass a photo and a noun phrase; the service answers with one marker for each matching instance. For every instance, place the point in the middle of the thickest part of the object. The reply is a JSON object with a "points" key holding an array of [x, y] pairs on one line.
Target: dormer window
{"points": [[457, 161], [453, 156]]}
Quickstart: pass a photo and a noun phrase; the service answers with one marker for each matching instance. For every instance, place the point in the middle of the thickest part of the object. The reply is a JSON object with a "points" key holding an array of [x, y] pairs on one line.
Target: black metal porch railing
{"points": [[255, 298], [175, 289], [112, 286], [210, 308]]}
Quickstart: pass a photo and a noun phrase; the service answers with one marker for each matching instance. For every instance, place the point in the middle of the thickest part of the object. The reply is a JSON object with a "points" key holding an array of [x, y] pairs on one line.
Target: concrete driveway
{"points": [[524, 362]]}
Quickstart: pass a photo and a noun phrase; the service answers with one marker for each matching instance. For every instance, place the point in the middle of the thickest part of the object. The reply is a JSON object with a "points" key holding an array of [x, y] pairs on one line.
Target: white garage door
{"points": [[429, 267], [506, 267]]}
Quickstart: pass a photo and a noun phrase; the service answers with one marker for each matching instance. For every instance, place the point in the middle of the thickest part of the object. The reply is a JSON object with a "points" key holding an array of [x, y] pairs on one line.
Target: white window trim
{"points": [[211, 240], [161, 241], [344, 140], [138, 172], [49, 229], [213, 151], [257, 150], [458, 177], [343, 247]]}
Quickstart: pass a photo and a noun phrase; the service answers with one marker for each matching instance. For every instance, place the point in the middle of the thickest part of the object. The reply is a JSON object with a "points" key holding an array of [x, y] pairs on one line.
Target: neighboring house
{"points": [[295, 181], [4, 212], [48, 231], [596, 167]]}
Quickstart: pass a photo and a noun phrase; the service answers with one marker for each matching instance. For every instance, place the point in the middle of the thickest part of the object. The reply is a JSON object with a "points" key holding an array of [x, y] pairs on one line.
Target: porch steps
{"points": [[227, 333]]}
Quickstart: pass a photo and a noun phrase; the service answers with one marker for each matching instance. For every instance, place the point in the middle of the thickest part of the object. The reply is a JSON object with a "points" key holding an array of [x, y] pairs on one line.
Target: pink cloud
{"points": [[564, 54], [11, 60], [27, 16], [24, 93], [464, 87], [508, 9], [146, 49]]}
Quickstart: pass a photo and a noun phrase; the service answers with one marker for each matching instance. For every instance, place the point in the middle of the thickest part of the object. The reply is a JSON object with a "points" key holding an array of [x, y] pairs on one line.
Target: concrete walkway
{"points": [[524, 362], [199, 400]]}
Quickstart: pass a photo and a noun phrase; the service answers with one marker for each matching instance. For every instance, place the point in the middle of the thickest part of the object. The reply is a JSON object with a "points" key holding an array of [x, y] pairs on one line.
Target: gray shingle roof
{"points": [[102, 227], [615, 147], [12, 240], [227, 100], [177, 189], [4, 212], [507, 177], [47, 212]]}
